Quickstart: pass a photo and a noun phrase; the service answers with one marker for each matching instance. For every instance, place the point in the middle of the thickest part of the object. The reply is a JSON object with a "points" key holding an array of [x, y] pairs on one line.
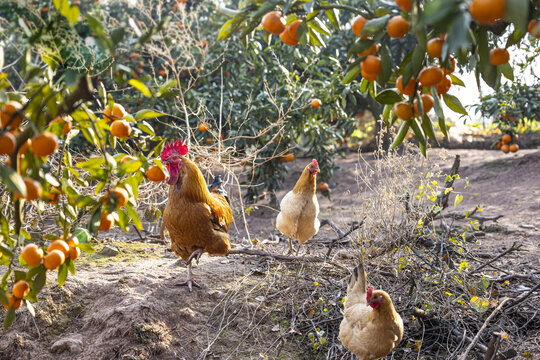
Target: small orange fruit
{"points": [[498, 145], [533, 29], [506, 139], [403, 111], [288, 36], [67, 121], [107, 222], [155, 174], [21, 289], [32, 254], [408, 89], [372, 64], [118, 112], [434, 47], [514, 147], [120, 128], [287, 158], [59, 245], [505, 148], [358, 25], [487, 12], [444, 85], [323, 187], [44, 144], [7, 143], [274, 23], [121, 194], [208, 141], [371, 50], [405, 5], [33, 189], [449, 71], [74, 253], [7, 112], [13, 302], [128, 158], [316, 103], [397, 27], [430, 76], [499, 56], [54, 259], [368, 76], [203, 127], [427, 103]]}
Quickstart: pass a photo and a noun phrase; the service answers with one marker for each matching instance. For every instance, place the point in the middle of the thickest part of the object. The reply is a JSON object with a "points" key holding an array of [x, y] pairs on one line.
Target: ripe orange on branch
{"points": [[287, 158], [367, 76], [372, 64], [403, 111], [116, 113], [316, 103], [444, 85], [397, 27], [155, 174], [106, 222], [7, 143], [203, 127], [59, 245], [434, 47], [32, 254], [288, 36], [120, 128], [499, 56], [449, 71], [121, 194], [358, 25], [372, 49], [7, 112], [430, 76], [274, 23], [67, 121], [44, 144], [21, 289], [405, 5], [487, 12], [33, 189], [533, 28], [13, 302], [54, 259], [427, 103], [408, 89]]}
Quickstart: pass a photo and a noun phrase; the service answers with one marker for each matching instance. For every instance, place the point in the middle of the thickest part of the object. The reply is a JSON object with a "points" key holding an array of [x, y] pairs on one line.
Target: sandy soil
{"points": [[130, 306]]}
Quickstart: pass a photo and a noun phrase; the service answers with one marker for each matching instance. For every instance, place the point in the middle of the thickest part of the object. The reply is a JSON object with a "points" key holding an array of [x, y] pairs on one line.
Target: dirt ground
{"points": [[130, 306]]}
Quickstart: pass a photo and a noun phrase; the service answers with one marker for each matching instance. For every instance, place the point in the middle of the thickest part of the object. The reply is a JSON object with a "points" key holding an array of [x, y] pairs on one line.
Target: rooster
{"points": [[300, 208], [196, 216], [371, 327]]}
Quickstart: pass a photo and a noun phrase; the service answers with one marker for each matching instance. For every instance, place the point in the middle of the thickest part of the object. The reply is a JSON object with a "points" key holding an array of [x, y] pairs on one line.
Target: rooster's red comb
{"points": [[369, 293], [174, 148], [315, 162]]}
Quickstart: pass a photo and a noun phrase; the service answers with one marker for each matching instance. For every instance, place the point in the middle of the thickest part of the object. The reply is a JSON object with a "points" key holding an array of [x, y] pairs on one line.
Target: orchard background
{"points": [[91, 91]]}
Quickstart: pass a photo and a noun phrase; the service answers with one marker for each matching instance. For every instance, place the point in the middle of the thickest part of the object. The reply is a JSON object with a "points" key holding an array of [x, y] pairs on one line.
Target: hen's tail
{"points": [[356, 291], [217, 187]]}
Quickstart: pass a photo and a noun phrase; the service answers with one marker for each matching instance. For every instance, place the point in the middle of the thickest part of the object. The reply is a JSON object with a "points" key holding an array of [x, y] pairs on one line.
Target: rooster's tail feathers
{"points": [[217, 187]]}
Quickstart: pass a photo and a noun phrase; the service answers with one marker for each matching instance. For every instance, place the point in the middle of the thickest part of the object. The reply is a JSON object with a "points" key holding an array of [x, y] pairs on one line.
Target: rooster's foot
{"points": [[190, 283], [195, 255]]}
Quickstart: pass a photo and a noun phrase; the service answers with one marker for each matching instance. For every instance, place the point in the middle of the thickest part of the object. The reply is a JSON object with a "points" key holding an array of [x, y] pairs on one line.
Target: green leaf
{"points": [[229, 28], [442, 126], [319, 26], [386, 63], [12, 180], [454, 104], [123, 220], [507, 71], [417, 61], [141, 87], [117, 35], [62, 273], [517, 12], [418, 131], [30, 308], [352, 73], [388, 96], [437, 103], [86, 247], [71, 267], [95, 220], [458, 34], [456, 80], [40, 280], [10, 316], [402, 132], [333, 16], [134, 216], [360, 46], [146, 127], [3, 297], [458, 199], [427, 126], [375, 25]]}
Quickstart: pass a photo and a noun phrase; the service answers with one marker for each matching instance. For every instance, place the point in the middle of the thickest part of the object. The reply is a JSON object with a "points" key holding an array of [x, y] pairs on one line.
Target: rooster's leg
{"points": [[189, 281], [196, 254], [291, 248]]}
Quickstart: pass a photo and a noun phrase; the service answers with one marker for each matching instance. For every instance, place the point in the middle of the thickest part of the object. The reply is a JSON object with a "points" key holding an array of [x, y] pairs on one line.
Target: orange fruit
{"points": [[430, 76], [32, 254], [54, 259], [33, 189], [316, 103], [487, 12], [107, 222], [44, 144], [208, 141], [323, 187], [498, 145], [59, 245], [155, 174], [427, 103], [6, 113], [434, 47], [408, 89], [514, 147], [67, 121], [403, 111], [122, 196], [531, 28], [13, 302], [444, 85], [397, 27], [203, 127], [120, 128], [405, 5], [372, 64], [288, 36], [274, 23], [505, 148], [506, 139], [74, 253], [21, 289], [499, 56], [358, 25], [372, 49], [7, 143], [368, 76], [449, 71], [128, 158], [118, 112], [287, 158]]}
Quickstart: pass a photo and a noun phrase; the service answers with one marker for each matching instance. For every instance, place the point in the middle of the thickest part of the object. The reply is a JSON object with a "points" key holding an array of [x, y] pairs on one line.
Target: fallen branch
{"points": [[522, 298], [342, 235], [255, 252], [515, 247], [475, 339]]}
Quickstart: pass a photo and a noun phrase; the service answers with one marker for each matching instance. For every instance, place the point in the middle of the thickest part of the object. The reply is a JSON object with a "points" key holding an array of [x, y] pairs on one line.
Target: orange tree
{"points": [[47, 98], [473, 34]]}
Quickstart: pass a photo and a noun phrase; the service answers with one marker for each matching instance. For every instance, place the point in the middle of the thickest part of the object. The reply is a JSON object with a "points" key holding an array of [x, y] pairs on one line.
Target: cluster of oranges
{"points": [[506, 145], [119, 127], [58, 252], [275, 23], [119, 195]]}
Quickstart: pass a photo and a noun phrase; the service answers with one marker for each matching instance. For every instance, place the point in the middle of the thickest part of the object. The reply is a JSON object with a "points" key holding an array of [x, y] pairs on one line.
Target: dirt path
{"points": [[130, 306]]}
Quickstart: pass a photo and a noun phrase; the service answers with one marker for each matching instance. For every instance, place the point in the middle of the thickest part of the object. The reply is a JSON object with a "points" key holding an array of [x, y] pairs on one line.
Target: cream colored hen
{"points": [[371, 327]]}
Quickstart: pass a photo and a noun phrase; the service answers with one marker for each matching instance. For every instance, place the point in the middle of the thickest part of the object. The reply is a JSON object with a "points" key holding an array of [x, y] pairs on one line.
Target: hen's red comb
{"points": [[369, 293], [174, 148], [315, 162]]}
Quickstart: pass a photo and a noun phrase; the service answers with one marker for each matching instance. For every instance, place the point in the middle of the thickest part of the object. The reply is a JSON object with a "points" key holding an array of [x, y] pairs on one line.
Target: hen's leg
{"points": [[189, 281], [298, 250], [196, 254], [291, 248]]}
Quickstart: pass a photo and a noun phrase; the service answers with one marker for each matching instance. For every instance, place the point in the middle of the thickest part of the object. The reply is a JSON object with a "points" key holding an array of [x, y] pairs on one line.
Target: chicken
{"points": [[197, 219], [371, 327], [300, 208]]}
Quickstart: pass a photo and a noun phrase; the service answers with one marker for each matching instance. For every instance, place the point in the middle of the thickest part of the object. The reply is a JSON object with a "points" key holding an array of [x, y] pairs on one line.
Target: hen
{"points": [[300, 208], [197, 219], [371, 327]]}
